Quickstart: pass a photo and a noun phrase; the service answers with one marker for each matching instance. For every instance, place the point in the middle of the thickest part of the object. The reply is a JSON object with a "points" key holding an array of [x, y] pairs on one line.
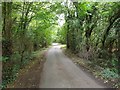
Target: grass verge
{"points": [[93, 69], [29, 76]]}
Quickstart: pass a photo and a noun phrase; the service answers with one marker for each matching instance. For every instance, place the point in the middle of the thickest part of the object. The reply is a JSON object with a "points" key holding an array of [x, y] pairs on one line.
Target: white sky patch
{"points": [[61, 19]]}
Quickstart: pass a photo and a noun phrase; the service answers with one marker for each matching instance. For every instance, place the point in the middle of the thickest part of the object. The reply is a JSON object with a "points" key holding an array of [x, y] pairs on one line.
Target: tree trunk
{"points": [[7, 29]]}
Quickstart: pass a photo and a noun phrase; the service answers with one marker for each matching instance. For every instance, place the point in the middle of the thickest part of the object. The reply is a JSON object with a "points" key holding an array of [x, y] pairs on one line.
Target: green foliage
{"points": [[61, 35], [92, 31], [29, 30], [4, 59], [109, 73]]}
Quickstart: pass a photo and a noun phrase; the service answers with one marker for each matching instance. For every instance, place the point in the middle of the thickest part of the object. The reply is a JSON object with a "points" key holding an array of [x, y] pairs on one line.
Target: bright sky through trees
{"points": [[61, 19]]}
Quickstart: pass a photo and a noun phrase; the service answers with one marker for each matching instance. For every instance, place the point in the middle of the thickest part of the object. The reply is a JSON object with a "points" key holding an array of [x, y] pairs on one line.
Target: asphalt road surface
{"points": [[60, 72]]}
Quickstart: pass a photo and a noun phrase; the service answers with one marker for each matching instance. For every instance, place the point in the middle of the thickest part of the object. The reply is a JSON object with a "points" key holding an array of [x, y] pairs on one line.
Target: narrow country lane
{"points": [[60, 72]]}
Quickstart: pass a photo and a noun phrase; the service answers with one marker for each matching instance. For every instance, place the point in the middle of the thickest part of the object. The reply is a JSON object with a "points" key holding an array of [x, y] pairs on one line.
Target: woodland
{"points": [[89, 29]]}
